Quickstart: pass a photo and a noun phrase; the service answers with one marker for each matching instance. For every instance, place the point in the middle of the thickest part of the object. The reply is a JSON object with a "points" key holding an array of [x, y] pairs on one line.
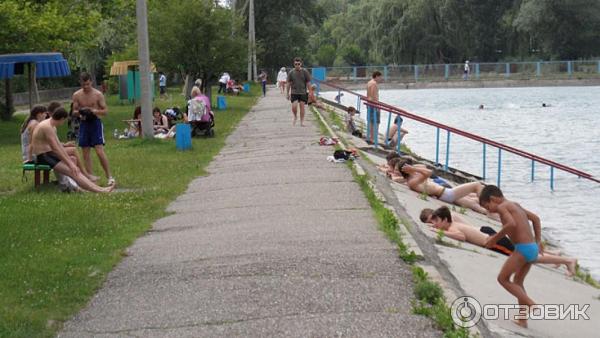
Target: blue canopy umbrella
{"points": [[45, 65]]}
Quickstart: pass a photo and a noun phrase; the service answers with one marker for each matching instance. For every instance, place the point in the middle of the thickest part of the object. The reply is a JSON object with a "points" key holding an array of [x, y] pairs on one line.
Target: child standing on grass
{"points": [[515, 224]]}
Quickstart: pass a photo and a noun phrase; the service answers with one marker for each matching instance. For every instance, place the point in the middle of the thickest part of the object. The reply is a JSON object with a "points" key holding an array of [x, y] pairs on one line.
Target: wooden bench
{"points": [[37, 169]]}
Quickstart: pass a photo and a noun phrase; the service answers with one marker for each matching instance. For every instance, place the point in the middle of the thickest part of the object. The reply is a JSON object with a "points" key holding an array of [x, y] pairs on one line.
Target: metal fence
{"points": [[487, 144], [549, 70]]}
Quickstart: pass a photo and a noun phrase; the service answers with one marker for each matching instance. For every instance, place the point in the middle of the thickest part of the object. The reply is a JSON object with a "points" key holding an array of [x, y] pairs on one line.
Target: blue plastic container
{"points": [[221, 102], [183, 136], [246, 87]]}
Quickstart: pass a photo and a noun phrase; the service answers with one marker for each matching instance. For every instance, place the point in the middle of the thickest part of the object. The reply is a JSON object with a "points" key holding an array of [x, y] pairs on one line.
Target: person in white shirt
{"points": [[281, 79], [162, 84], [223, 83]]}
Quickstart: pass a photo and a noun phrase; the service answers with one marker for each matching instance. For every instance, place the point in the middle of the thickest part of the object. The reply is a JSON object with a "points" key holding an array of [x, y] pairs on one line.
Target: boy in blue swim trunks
{"points": [[89, 105], [515, 224]]}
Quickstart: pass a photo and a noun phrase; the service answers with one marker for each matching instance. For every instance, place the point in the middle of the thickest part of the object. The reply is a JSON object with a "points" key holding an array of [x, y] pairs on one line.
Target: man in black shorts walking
{"points": [[297, 84]]}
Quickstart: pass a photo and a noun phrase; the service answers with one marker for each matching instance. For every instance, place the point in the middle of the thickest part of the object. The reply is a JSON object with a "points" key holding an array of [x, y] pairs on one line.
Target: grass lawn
{"points": [[57, 248]]}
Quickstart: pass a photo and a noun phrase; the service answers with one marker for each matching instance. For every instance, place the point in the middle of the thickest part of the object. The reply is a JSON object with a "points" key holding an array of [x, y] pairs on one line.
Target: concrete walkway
{"points": [[275, 241]]}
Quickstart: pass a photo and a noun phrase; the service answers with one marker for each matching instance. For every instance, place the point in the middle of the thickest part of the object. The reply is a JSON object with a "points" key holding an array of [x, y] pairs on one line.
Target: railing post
{"points": [[538, 69], [385, 73], [499, 167], [357, 103], [416, 73], [447, 149], [437, 146], [447, 71], [507, 70], [354, 74], [399, 133], [369, 110], [387, 131], [570, 68], [532, 170], [374, 113], [552, 178], [477, 71], [484, 164], [339, 97]]}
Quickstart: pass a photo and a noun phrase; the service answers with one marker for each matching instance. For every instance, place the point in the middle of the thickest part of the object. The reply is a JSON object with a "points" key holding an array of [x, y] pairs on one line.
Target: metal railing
{"points": [[374, 106], [522, 70]]}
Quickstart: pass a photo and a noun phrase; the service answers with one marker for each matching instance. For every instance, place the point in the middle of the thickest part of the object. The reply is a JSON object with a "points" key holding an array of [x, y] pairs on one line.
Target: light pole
{"points": [[144, 58], [251, 43]]}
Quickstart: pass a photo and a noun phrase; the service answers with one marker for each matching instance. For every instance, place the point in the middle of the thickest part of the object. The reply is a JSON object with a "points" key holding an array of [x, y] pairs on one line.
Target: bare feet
{"points": [[571, 267], [92, 177], [110, 187], [294, 121]]}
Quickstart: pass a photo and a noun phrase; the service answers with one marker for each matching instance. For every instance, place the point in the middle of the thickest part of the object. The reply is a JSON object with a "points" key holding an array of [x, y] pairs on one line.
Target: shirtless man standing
{"points": [[373, 115], [89, 104], [49, 151]]}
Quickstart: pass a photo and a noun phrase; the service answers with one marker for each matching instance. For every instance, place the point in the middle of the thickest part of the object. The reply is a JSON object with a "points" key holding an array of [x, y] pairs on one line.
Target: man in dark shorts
{"points": [[90, 106], [48, 150], [297, 84]]}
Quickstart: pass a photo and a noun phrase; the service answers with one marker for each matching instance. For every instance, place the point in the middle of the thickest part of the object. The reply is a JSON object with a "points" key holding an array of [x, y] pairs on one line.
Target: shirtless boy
{"points": [[515, 224], [456, 228], [90, 102], [49, 151], [417, 178]]}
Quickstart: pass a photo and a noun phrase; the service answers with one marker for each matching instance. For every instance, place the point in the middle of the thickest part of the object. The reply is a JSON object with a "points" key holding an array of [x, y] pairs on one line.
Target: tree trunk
{"points": [[206, 87], [189, 83], [36, 90]]}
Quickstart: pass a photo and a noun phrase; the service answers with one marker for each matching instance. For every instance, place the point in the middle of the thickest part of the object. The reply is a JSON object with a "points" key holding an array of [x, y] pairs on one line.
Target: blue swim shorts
{"points": [[370, 112], [528, 250], [91, 133]]}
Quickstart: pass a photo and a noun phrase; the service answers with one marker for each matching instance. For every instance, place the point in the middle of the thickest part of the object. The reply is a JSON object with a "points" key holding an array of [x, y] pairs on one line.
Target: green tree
{"points": [[326, 55], [283, 29], [44, 27], [353, 55], [561, 29], [196, 37]]}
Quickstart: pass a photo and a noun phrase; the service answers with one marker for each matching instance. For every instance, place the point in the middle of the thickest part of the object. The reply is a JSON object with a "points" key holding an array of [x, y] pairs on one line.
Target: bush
{"points": [[428, 291]]}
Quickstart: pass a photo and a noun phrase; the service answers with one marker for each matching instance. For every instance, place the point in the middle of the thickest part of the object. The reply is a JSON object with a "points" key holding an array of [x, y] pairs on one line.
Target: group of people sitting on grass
{"points": [[163, 124], [40, 145]]}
